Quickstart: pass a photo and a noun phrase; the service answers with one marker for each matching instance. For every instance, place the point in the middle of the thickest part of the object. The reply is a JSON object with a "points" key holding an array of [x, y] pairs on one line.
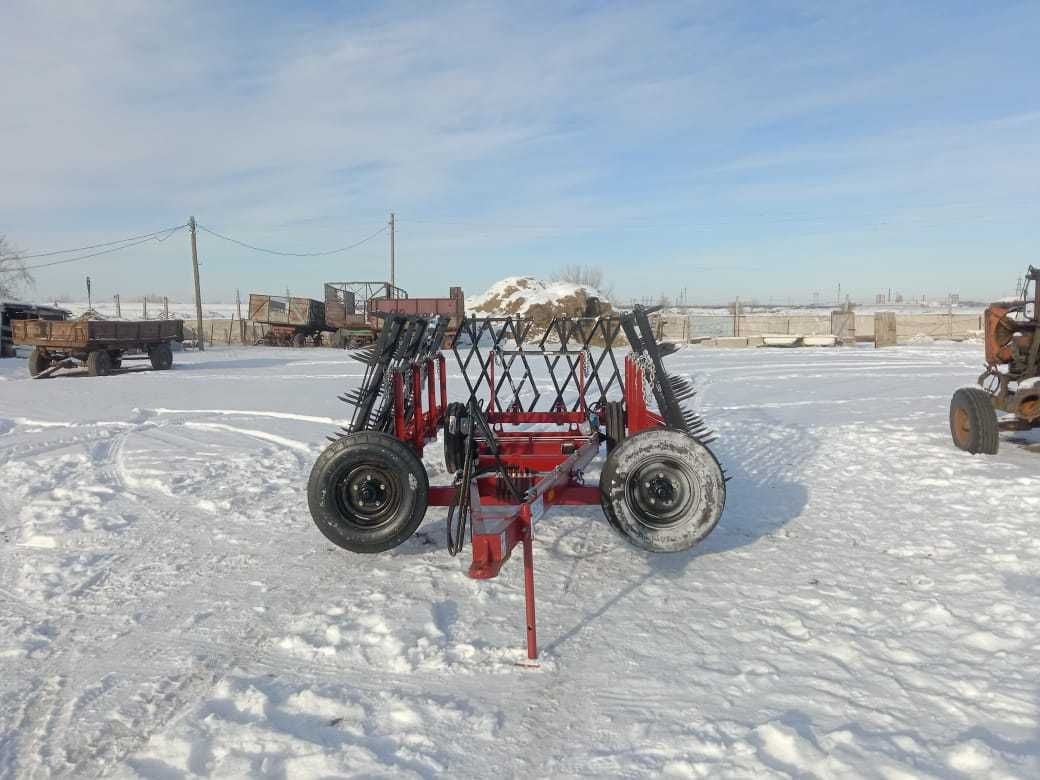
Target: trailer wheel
{"points": [[299, 340], [99, 363], [116, 359], [662, 490], [38, 362], [367, 492], [161, 356], [973, 421], [614, 423]]}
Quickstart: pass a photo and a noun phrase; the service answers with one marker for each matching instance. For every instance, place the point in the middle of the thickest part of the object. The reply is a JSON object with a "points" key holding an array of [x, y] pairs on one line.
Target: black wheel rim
{"points": [[661, 491], [368, 496]]}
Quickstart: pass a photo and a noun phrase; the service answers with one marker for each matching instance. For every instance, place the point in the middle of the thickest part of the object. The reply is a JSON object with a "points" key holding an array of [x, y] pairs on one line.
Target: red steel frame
{"points": [[558, 458]]}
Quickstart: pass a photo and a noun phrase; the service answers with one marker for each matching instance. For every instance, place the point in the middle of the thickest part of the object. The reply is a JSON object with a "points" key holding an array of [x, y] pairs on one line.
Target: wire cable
{"points": [[294, 254], [151, 237], [96, 246]]}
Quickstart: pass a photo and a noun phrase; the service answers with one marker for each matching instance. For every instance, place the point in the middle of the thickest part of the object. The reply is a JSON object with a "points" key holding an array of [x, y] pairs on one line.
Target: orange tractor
{"points": [[1011, 381]]}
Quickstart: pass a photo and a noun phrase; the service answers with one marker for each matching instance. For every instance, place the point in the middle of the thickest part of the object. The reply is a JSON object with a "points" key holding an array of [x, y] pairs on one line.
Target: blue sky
{"points": [[763, 149]]}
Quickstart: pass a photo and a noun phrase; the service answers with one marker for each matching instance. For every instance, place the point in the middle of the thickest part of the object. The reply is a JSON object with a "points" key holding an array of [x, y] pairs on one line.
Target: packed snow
{"points": [[868, 606]]}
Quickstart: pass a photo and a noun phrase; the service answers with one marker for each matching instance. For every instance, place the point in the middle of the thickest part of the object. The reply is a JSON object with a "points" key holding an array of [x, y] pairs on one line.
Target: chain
{"points": [[646, 363]]}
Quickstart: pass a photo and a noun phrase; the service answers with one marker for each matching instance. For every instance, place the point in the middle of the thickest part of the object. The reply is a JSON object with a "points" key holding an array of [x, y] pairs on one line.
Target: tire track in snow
{"points": [[91, 716]]}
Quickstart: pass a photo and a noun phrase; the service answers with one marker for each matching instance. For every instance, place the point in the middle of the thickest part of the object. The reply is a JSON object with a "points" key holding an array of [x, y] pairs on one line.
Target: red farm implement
{"points": [[516, 449]]}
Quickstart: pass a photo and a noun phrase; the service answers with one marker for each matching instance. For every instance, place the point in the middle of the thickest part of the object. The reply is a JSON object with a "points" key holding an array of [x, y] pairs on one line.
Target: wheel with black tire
{"points": [[38, 362], [662, 490], [99, 363], [115, 359], [161, 357], [454, 440], [299, 340], [973, 421], [614, 423], [367, 492]]}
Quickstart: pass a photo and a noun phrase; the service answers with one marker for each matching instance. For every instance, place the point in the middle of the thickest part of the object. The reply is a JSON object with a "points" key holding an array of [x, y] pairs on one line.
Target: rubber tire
{"points": [[38, 362], [454, 443], [708, 489], [161, 357], [99, 363], [614, 423], [299, 340], [983, 434], [356, 449], [116, 359]]}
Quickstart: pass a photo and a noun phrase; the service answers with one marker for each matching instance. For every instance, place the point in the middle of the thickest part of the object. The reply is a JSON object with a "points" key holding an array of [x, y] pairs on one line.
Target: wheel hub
{"points": [[661, 491], [369, 495]]}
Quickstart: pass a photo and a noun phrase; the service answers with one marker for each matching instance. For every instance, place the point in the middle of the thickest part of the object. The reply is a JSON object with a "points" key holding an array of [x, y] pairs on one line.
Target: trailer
{"points": [[516, 443], [292, 321], [100, 345], [10, 312], [355, 311]]}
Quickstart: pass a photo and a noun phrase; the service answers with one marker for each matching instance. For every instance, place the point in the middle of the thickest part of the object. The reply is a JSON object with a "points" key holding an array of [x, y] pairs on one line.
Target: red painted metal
{"points": [[637, 416], [557, 459]]}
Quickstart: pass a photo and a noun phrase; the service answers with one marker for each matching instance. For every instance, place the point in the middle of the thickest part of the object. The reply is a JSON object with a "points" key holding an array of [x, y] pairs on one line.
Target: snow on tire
{"points": [[662, 490]]}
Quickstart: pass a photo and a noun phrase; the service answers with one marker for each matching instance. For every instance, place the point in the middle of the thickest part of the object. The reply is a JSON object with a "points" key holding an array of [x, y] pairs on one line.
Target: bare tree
{"points": [[13, 274], [587, 275]]}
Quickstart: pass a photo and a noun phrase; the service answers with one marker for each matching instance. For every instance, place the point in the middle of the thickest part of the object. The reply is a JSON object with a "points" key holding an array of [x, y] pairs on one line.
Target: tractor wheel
{"points": [[973, 421], [99, 363], [299, 340], [454, 443], [367, 492], [614, 423], [161, 356], [662, 490], [38, 362]]}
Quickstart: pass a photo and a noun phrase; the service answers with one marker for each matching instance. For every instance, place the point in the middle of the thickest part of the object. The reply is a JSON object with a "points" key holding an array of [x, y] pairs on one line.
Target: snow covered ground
{"points": [[869, 605]]}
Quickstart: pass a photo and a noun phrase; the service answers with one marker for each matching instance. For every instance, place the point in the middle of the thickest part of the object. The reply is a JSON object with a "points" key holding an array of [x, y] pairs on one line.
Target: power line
{"points": [[294, 254], [97, 246], [151, 237]]}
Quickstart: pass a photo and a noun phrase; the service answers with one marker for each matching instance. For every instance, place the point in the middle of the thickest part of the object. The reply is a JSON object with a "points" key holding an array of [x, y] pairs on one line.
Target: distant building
{"points": [[955, 299]]}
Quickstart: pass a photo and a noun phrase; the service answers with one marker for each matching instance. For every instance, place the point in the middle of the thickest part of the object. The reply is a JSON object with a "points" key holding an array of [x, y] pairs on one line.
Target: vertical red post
{"points": [[418, 424], [399, 406], [581, 381], [491, 385], [443, 374], [431, 397], [532, 634], [635, 402]]}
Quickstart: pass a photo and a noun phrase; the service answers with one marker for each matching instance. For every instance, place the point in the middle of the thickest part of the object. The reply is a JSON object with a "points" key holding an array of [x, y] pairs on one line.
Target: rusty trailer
{"points": [[295, 322], [100, 345], [355, 311]]}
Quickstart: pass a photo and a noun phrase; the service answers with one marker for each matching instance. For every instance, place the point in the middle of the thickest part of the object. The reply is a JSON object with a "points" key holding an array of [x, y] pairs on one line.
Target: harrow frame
{"points": [[517, 462]]}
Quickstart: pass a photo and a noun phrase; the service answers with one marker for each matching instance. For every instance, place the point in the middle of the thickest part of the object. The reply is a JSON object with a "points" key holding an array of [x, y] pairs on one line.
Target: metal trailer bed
{"points": [[293, 321], [11, 312], [100, 345]]}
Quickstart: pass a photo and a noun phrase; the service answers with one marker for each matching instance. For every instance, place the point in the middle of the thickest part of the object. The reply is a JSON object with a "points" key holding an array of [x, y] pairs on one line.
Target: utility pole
{"points": [[198, 289], [238, 303], [392, 283], [119, 309]]}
